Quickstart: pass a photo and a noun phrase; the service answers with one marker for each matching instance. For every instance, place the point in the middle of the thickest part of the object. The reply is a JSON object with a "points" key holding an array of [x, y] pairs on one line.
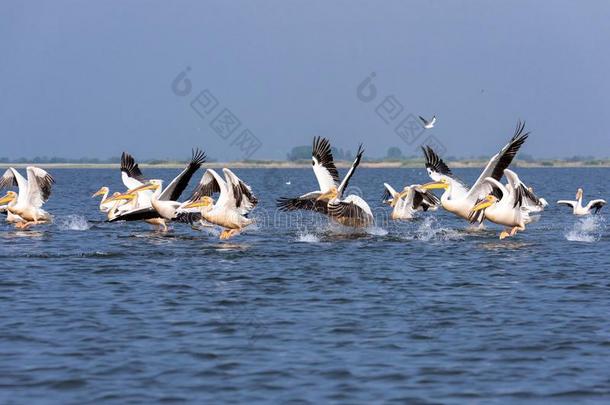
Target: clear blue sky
{"points": [[95, 78]]}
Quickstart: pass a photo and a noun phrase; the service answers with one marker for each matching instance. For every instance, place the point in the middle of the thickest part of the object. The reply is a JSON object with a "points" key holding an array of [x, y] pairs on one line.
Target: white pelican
{"points": [[132, 178], [428, 124], [410, 200], [351, 210], [234, 202], [577, 209], [504, 206], [162, 206], [457, 198], [26, 206]]}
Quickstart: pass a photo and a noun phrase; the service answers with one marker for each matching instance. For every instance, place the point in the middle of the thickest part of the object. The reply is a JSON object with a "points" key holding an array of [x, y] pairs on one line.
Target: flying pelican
{"points": [[428, 124], [351, 210], [33, 193], [162, 206], [410, 200], [577, 209], [504, 205], [234, 202], [457, 198]]}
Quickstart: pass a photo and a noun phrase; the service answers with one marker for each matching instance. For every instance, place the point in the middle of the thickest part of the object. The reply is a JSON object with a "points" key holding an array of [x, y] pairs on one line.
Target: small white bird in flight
{"points": [[428, 124]]}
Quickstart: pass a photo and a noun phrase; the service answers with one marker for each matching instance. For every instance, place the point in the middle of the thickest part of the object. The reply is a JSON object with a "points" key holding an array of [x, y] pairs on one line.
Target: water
{"points": [[297, 310]]}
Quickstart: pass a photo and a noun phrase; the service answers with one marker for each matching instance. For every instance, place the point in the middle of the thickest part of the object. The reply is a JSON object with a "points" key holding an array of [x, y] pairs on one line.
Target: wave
{"points": [[588, 229]]}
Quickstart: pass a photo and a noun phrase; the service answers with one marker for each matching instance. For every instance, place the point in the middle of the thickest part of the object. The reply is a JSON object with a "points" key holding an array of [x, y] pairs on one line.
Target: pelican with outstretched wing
{"points": [[457, 197], [25, 207], [577, 208], [163, 204], [230, 211], [328, 200]]}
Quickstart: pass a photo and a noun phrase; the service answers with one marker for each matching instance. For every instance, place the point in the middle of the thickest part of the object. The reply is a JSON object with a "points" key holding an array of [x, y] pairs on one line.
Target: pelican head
{"points": [[101, 191], [443, 183], [487, 202], [203, 202], [9, 197], [329, 195], [579, 193]]}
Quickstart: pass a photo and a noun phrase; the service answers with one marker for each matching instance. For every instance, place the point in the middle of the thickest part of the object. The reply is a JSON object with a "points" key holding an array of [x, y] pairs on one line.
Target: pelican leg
{"points": [[504, 234], [516, 229], [224, 234]]}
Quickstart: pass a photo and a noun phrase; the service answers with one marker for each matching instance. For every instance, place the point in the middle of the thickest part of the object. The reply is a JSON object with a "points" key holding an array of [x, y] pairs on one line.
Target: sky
{"points": [[252, 79]]}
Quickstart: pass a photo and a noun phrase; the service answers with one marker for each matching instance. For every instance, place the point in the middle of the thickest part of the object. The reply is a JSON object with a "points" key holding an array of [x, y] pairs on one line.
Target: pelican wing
{"points": [[243, 197], [433, 121], [435, 165], [596, 205], [323, 164], [208, 185], [498, 163], [353, 208], [137, 214], [10, 178], [188, 217], [567, 202], [39, 186], [350, 173], [423, 120], [424, 199], [175, 189], [307, 202], [130, 172], [523, 196], [388, 194]]}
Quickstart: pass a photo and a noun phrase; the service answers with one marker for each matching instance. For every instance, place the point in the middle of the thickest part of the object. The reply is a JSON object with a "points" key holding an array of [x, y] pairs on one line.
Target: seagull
{"points": [[428, 124]]}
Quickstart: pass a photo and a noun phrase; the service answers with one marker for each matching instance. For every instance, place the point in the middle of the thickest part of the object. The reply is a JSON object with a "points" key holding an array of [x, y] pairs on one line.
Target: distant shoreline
{"points": [[307, 164]]}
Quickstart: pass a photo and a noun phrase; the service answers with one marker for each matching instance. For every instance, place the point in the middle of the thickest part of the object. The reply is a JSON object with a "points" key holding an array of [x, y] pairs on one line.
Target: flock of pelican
{"points": [[510, 205]]}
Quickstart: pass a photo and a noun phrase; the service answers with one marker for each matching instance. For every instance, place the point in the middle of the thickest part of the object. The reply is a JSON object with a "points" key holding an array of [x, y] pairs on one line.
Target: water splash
{"points": [[376, 231], [430, 230], [588, 229], [73, 223], [308, 238]]}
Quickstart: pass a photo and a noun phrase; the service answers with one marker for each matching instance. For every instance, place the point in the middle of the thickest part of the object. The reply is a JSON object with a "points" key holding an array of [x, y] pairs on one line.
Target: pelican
{"points": [[410, 200], [457, 198], [577, 209], [26, 206], [162, 206], [351, 210], [234, 203], [428, 124], [504, 205], [132, 178]]}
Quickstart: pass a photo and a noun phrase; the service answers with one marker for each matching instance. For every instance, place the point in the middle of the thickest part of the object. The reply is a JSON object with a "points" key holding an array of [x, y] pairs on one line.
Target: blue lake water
{"points": [[295, 310]]}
